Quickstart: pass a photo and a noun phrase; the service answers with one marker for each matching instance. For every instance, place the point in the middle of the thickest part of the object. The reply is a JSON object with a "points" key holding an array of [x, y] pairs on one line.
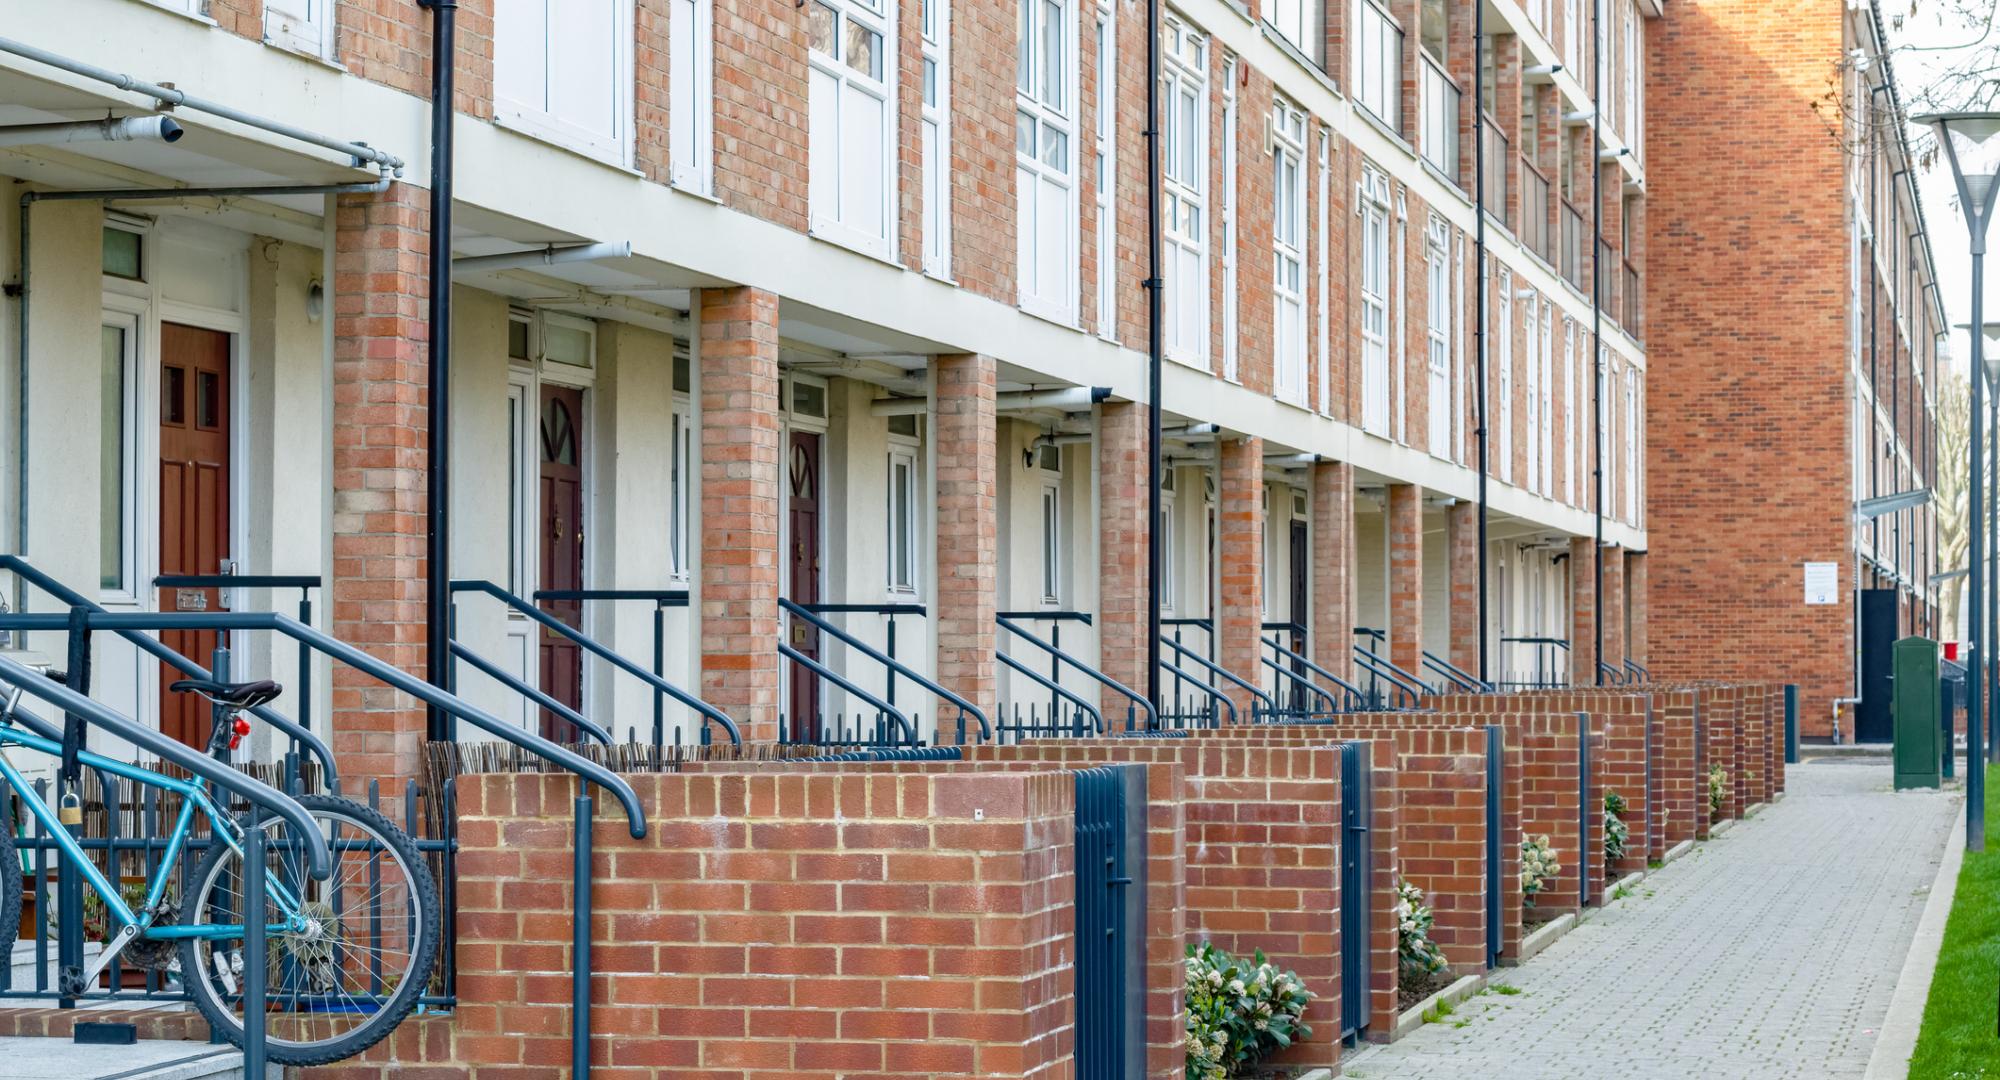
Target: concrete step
{"points": [[149, 1059]]}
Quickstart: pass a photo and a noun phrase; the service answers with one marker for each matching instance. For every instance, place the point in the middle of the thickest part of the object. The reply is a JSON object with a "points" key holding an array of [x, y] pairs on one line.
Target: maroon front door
{"points": [[802, 577], [194, 502], [562, 549]]}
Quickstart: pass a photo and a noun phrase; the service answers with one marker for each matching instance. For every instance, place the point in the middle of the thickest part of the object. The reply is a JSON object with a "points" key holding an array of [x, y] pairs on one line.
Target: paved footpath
{"points": [[1771, 951]]}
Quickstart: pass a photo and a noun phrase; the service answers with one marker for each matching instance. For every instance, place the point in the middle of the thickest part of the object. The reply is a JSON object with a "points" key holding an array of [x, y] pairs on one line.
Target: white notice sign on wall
{"points": [[1822, 583]]}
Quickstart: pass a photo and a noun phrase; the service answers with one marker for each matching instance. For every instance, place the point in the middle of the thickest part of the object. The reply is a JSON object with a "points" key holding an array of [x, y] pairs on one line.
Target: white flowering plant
{"points": [[1718, 786], [1616, 833], [1239, 1012], [1538, 865], [1416, 954]]}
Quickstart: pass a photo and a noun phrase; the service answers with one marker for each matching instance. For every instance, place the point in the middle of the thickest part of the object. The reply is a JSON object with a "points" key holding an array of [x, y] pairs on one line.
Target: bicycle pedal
{"points": [[70, 983]]}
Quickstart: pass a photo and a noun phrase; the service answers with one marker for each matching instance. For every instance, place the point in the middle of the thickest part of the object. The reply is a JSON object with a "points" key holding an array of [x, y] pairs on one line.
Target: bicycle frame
{"points": [[194, 794]]}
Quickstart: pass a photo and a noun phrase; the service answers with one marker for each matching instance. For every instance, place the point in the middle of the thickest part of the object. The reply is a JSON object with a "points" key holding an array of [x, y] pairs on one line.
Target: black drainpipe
{"points": [[1154, 318], [1479, 276], [1597, 336], [440, 726]]}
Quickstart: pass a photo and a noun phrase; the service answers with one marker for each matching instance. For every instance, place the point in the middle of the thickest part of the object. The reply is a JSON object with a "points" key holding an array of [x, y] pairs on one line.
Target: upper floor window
{"points": [[1044, 169], [691, 97], [1375, 302], [563, 72], [1378, 82], [1433, 24], [1300, 22], [1437, 248], [1184, 217], [936, 26], [1107, 172], [1288, 247], [1635, 80], [302, 25], [852, 179]]}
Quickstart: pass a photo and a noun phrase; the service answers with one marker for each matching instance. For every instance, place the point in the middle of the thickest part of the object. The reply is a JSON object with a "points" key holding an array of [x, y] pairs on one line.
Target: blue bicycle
{"points": [[346, 958]]}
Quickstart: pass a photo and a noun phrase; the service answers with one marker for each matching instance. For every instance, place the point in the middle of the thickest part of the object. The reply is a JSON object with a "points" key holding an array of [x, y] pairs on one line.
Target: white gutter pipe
{"points": [[120, 129], [543, 256]]}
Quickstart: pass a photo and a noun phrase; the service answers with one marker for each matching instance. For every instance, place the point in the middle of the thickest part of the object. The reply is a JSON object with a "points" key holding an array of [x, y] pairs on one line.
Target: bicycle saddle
{"points": [[238, 695]]}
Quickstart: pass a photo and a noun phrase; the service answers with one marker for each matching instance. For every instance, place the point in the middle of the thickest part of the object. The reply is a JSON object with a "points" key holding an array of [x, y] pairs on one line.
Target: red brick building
{"points": [[1796, 347]]}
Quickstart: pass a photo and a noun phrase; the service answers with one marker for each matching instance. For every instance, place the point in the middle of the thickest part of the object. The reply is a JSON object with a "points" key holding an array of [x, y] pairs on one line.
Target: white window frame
{"points": [[1184, 187], [536, 120], [934, 88], [1231, 349], [127, 315], [903, 543], [1531, 352], [523, 465], [1573, 36], [1052, 542], [1053, 122], [1635, 83], [1437, 325], [1107, 171], [1372, 206], [691, 95], [310, 32], [828, 169], [1569, 410], [1631, 434], [1378, 64], [1505, 294], [1548, 365], [682, 462], [1301, 23], [1169, 548], [1322, 236], [1288, 248]]}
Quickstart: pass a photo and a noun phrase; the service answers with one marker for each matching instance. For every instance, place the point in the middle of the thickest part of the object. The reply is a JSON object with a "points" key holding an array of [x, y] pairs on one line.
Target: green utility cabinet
{"points": [[1914, 710]]}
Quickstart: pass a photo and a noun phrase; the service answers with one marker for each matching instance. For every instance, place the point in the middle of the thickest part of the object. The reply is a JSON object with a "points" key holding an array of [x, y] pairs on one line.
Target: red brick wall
{"points": [[967, 533], [388, 42], [1681, 759], [1333, 566], [740, 489], [1122, 518], [1722, 737], [814, 926], [760, 110], [1741, 371], [1240, 553], [380, 446], [983, 216], [1462, 575], [1404, 511]]}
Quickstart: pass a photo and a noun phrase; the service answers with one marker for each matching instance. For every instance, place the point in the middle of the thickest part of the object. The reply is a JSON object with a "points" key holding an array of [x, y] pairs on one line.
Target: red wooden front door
{"points": [[562, 549], [194, 501], [802, 577]]}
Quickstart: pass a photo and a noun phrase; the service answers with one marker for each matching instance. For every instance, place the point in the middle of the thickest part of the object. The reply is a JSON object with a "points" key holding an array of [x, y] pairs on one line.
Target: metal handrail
{"points": [[236, 782], [1460, 678], [1415, 690], [1202, 686], [1611, 674], [661, 599], [1300, 680], [1006, 619], [368, 665], [801, 611], [1053, 687], [1218, 669], [1638, 670], [299, 733], [1352, 691], [827, 673], [706, 710], [493, 671]]}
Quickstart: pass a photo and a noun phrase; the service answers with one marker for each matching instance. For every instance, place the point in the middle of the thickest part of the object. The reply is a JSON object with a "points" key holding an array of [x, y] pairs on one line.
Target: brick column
{"points": [[1333, 566], [1635, 599], [1614, 606], [967, 538], [1462, 576], [1404, 510], [1582, 613], [380, 447], [1240, 553], [741, 499], [1121, 550]]}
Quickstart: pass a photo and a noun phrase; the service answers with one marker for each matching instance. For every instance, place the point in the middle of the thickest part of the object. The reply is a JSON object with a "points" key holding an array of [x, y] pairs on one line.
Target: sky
{"points": [[1923, 45]]}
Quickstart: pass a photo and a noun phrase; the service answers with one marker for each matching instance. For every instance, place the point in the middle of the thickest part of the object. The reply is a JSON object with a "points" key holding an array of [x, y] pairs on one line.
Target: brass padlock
{"points": [[71, 811]]}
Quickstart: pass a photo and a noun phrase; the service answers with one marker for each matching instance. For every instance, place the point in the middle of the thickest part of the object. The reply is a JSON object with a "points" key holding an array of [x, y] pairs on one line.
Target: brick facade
{"points": [[1333, 565], [1122, 516], [967, 539], [1240, 553], [1405, 513]]}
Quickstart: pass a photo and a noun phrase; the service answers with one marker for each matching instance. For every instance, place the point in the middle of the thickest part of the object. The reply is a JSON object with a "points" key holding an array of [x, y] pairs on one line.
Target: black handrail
{"points": [[1005, 620], [1202, 686], [237, 581], [493, 671], [866, 609], [1352, 691], [1218, 669], [1300, 680], [827, 673], [1458, 676], [1395, 676], [299, 733], [1611, 674], [1638, 670], [360, 661], [1053, 687], [798, 610], [663, 597], [234, 781], [706, 710]]}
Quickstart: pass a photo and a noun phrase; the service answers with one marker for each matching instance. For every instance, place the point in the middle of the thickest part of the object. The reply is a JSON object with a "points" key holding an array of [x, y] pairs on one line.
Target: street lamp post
{"points": [[1965, 140], [1986, 355]]}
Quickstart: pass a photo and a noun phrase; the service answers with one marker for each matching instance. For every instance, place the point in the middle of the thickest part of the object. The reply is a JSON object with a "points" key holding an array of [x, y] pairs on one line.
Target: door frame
{"points": [[531, 374]]}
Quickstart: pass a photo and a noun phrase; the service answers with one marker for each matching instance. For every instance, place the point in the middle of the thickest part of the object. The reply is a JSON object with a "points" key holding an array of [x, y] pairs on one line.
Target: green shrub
{"points": [[1538, 865], [1718, 786], [1616, 832], [1238, 1013], [1416, 953]]}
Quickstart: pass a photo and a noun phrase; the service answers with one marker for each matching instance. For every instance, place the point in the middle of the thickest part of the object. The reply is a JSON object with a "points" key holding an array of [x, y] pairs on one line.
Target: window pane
{"points": [[683, 380], [1054, 74], [809, 399], [864, 50], [517, 339], [173, 395], [1055, 149], [1024, 38], [820, 26], [111, 460], [676, 526], [514, 581], [566, 344], [1024, 135], [121, 254], [930, 82], [208, 399]]}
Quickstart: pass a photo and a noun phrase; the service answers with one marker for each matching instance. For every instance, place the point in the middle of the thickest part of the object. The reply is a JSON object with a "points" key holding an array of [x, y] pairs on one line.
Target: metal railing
{"points": [[303, 739], [663, 600], [1497, 155], [1012, 723], [1440, 104], [1606, 268], [1636, 672], [1572, 265], [1611, 674], [1534, 228], [1458, 677], [1634, 304], [1387, 685], [887, 714], [711, 716], [1307, 699], [1550, 664]]}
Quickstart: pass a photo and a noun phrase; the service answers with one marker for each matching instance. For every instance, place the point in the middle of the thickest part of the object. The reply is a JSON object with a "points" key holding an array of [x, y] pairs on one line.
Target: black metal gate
{"points": [[1111, 923], [1495, 852], [1588, 814], [1357, 804]]}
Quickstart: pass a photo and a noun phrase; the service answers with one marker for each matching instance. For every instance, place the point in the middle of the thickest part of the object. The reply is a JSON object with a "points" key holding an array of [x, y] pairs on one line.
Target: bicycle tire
{"points": [[13, 888], [200, 982]]}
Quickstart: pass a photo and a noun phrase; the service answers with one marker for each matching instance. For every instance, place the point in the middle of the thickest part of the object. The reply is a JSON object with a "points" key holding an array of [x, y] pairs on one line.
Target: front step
{"points": [[149, 1059]]}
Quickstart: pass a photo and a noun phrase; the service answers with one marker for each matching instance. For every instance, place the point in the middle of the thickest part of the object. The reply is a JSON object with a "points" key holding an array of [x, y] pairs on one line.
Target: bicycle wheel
{"points": [[364, 956]]}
